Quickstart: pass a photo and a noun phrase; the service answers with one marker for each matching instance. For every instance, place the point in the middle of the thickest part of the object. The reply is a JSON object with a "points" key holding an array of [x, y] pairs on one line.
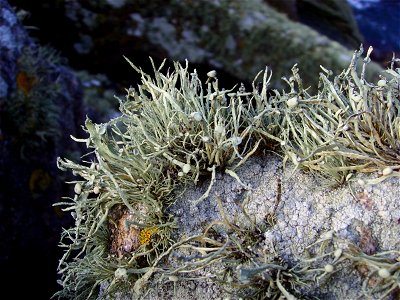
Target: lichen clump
{"points": [[350, 126], [173, 130]]}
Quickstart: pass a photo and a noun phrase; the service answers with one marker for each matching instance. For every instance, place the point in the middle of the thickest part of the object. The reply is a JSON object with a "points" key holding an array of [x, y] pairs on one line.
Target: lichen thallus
{"points": [[172, 131]]}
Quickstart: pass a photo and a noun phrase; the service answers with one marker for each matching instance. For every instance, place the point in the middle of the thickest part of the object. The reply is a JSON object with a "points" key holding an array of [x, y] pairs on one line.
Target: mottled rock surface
{"points": [[305, 210]]}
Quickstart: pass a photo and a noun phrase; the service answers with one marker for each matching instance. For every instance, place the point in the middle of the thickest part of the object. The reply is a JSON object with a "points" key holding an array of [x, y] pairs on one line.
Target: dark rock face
{"points": [[332, 18], [40, 106], [12, 39], [249, 36]]}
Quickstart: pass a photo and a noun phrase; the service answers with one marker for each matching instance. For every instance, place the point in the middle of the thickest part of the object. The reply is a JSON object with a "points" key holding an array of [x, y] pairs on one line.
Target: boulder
{"points": [[237, 38]]}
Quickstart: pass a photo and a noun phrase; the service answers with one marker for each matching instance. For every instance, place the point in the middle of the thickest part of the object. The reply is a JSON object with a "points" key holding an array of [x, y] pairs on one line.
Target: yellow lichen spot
{"points": [[146, 234]]}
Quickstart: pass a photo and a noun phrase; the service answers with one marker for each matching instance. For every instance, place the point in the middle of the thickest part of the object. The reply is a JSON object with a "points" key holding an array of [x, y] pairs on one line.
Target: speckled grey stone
{"points": [[305, 211]]}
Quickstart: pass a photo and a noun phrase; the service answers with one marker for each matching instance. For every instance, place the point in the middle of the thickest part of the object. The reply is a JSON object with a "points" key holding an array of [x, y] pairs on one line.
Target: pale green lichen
{"points": [[380, 272], [172, 131], [246, 268], [351, 125], [194, 132]]}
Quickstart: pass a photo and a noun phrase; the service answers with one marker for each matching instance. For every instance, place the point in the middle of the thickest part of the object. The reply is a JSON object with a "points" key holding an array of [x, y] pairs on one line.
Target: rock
{"points": [[259, 226], [320, 212], [379, 22], [332, 18], [249, 36], [317, 210], [40, 106]]}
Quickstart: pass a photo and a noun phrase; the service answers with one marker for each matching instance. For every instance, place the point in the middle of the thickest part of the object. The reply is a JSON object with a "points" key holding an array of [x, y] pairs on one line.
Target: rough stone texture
{"points": [[30, 181], [305, 211], [190, 289]]}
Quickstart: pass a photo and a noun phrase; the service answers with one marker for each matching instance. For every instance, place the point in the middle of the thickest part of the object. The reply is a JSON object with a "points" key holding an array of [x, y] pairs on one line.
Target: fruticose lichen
{"points": [[172, 131], [350, 126]]}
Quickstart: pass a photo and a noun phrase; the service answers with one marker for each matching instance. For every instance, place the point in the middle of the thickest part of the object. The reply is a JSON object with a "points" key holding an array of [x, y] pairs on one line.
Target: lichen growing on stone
{"points": [[193, 131], [172, 132], [350, 126]]}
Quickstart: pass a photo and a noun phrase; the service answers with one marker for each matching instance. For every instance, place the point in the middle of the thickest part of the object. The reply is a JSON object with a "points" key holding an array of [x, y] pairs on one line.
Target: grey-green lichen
{"points": [[250, 267], [172, 131], [351, 125], [195, 132]]}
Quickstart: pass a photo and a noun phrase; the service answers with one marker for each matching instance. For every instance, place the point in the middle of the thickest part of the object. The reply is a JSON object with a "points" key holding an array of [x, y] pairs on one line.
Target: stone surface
{"points": [[304, 211]]}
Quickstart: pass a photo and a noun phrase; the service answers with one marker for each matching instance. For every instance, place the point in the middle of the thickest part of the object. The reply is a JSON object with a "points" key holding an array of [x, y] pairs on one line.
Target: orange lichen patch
{"points": [[25, 82], [124, 238], [146, 234]]}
